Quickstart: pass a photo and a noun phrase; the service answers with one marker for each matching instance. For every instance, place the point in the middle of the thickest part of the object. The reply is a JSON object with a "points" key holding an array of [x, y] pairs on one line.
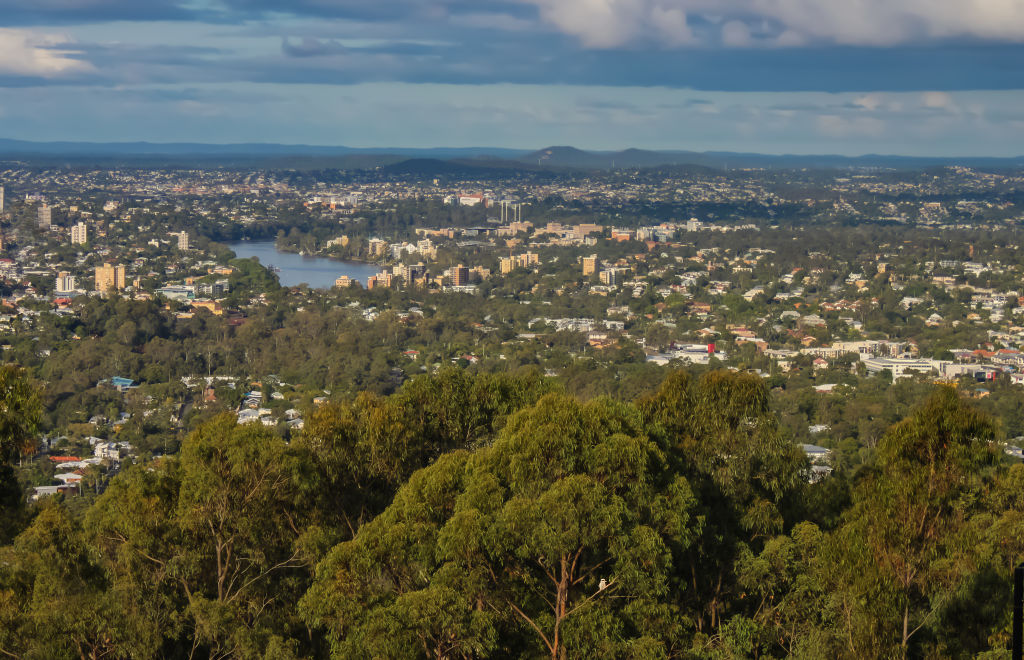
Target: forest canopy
{"points": [[472, 516]]}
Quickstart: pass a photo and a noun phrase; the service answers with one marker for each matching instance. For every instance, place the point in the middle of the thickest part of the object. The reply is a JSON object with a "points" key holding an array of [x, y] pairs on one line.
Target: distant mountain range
{"points": [[441, 161], [9, 147], [634, 158]]}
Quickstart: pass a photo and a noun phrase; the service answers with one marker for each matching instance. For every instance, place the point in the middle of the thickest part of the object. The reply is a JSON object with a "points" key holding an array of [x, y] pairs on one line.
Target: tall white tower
{"points": [[79, 234], [45, 215]]}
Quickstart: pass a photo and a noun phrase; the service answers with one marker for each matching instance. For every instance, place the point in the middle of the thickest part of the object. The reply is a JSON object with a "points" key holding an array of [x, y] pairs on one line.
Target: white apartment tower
{"points": [[65, 283], [183, 240], [79, 234], [45, 216], [1, 199]]}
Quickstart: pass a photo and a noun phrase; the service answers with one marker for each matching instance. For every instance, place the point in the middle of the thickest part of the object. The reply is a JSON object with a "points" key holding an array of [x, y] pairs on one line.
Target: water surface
{"points": [[295, 269]]}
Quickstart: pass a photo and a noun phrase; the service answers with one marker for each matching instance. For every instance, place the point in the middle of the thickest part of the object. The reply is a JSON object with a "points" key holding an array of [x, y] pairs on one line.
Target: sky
{"points": [[910, 77]]}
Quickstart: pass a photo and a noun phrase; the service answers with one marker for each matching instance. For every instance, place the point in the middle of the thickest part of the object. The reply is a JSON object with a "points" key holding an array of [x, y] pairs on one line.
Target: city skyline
{"points": [[791, 76]]}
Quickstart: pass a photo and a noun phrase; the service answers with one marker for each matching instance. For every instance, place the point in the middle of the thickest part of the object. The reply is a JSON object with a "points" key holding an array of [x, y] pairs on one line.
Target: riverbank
{"points": [[289, 250]]}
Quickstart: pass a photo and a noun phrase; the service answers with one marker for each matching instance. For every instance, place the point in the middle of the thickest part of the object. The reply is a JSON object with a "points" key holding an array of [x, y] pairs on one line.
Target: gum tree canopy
{"points": [[557, 538]]}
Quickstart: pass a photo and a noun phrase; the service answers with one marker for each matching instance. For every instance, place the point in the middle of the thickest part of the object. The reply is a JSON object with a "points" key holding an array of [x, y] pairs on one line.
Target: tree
{"points": [[210, 540], [53, 595], [364, 450], [555, 541], [788, 583], [905, 543], [718, 432], [20, 411]]}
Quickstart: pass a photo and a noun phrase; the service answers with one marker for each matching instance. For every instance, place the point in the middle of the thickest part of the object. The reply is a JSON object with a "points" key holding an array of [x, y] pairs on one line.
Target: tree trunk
{"points": [[906, 622], [563, 593]]}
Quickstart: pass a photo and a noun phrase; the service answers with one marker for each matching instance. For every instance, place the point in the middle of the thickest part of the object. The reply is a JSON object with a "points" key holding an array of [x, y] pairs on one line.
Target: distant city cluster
{"points": [[816, 281]]}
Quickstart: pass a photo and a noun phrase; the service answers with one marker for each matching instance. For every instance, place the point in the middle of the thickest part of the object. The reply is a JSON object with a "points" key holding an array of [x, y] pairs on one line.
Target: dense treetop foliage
{"points": [[473, 516]]}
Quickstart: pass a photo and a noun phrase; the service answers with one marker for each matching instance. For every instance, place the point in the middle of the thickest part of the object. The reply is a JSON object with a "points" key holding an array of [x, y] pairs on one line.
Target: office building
{"points": [[110, 277], [79, 234], [178, 292]]}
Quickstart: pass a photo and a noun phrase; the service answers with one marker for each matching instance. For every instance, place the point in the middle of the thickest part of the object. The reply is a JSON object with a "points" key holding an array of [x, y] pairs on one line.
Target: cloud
{"points": [[28, 53], [598, 23], [339, 52], [727, 45], [836, 126], [411, 11], [312, 47], [937, 100], [736, 33], [500, 21], [869, 102], [616, 23], [67, 12]]}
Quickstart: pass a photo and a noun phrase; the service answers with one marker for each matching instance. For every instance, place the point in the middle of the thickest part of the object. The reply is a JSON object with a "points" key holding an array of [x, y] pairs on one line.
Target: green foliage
{"points": [[491, 515], [204, 547], [719, 434], [907, 533], [513, 541], [20, 410], [363, 450]]}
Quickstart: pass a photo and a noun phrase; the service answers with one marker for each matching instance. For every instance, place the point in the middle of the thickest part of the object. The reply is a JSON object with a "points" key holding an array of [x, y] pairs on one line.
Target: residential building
{"points": [[610, 276], [376, 247], [211, 306], [45, 216], [110, 277], [410, 274], [79, 234], [589, 265], [508, 264], [460, 275], [217, 289], [65, 283]]}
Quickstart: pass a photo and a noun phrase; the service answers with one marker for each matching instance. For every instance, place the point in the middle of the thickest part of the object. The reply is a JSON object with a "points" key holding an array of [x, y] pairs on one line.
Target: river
{"points": [[295, 269]]}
